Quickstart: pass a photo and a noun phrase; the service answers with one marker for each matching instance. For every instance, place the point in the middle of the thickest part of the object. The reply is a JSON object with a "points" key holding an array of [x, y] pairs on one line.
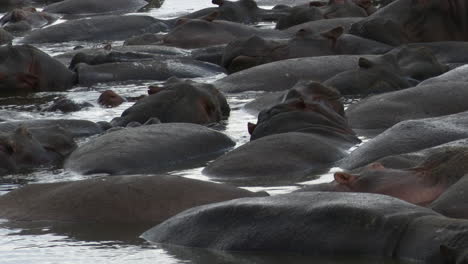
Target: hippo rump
{"points": [[20, 151], [100, 28], [133, 199], [318, 11], [242, 11], [87, 7], [409, 136], [149, 149], [178, 101], [278, 159], [205, 32], [155, 69], [406, 21], [385, 110], [26, 69], [319, 224]]}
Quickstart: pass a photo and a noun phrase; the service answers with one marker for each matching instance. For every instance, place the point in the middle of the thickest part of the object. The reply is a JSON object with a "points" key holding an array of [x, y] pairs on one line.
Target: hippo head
{"points": [[373, 76], [312, 43], [24, 149], [109, 98], [244, 53], [311, 91], [452, 255], [418, 63], [299, 15]]}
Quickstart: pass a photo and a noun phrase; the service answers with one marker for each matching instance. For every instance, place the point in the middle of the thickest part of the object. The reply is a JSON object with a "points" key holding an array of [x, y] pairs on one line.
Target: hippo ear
{"points": [[211, 16], [333, 34], [344, 178], [376, 166], [448, 254], [365, 63], [217, 2], [251, 127]]}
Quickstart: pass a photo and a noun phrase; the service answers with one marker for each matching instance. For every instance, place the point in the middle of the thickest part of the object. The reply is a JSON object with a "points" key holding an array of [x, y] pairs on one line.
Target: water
{"points": [[47, 243]]}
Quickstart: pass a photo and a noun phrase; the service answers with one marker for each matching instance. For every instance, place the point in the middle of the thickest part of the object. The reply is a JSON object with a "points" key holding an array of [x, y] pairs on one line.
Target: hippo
{"points": [[178, 101], [148, 149], [319, 224], [248, 52], [88, 7], [420, 184], [99, 28], [91, 53], [307, 107], [77, 128], [283, 75], [242, 11], [409, 136], [26, 18], [129, 199], [279, 159], [25, 69], [406, 21], [106, 56], [25, 149], [395, 70], [206, 31], [159, 70], [325, 25], [318, 11], [385, 110]]}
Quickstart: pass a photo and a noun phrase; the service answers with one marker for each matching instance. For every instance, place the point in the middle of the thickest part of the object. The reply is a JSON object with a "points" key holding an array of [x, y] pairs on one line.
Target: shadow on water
{"points": [[127, 234], [202, 256]]}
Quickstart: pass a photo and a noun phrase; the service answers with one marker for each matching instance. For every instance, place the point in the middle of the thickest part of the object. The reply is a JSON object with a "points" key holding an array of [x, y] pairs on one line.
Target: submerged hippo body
{"points": [[409, 136], [318, 224], [312, 12], [148, 149], [87, 7], [385, 110], [178, 101], [242, 11], [26, 69], [159, 70], [416, 21], [120, 199], [76, 128], [283, 158], [199, 33], [282, 75], [99, 28]]}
